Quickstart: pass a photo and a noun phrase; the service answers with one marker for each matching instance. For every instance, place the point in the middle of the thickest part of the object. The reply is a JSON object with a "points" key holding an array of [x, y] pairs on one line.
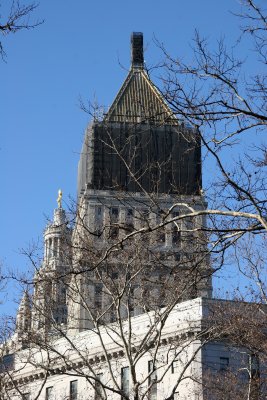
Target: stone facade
{"points": [[95, 362], [134, 267]]}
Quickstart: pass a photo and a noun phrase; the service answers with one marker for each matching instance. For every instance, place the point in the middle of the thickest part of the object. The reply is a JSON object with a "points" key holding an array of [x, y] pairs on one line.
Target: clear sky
{"points": [[81, 49]]}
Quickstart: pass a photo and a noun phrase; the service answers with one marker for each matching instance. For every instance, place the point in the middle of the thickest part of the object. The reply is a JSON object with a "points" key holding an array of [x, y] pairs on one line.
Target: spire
{"points": [[49, 282], [56, 233], [139, 100], [137, 50], [23, 321]]}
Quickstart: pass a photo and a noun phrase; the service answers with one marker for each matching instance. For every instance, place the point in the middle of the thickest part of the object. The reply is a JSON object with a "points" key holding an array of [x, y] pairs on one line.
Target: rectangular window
{"points": [[176, 234], [224, 363], [112, 314], [48, 393], [98, 296], [175, 366], [254, 372], [129, 227], [131, 299], [142, 221], [189, 227], [161, 235], [125, 380], [129, 223], [160, 231], [73, 390], [8, 362], [143, 217], [114, 212], [177, 257], [152, 381], [99, 391], [254, 365], [114, 276], [114, 219], [114, 232], [114, 215]]}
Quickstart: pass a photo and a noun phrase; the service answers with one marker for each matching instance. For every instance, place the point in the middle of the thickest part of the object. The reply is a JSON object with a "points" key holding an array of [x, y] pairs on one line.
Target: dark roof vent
{"points": [[137, 49]]}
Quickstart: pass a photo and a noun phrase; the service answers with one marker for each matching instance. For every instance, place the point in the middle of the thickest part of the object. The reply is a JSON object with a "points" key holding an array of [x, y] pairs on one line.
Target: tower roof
{"points": [[139, 100], [140, 144]]}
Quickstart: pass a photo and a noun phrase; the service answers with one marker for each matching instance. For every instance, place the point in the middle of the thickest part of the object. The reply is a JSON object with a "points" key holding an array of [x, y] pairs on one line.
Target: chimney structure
{"points": [[137, 50]]}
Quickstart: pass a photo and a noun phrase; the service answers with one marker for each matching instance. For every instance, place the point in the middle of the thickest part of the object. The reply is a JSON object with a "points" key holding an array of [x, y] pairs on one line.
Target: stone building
{"points": [[119, 302], [139, 168]]}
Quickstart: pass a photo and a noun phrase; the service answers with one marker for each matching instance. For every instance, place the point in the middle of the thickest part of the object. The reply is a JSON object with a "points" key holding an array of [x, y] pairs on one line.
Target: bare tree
{"points": [[17, 18], [119, 278], [225, 100]]}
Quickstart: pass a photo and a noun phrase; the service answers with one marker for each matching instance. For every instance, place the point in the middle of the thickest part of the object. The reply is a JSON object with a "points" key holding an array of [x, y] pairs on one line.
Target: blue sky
{"points": [[81, 49]]}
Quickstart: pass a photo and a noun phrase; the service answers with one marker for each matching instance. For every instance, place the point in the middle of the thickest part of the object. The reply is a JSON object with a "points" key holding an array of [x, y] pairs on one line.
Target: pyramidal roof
{"points": [[139, 100]]}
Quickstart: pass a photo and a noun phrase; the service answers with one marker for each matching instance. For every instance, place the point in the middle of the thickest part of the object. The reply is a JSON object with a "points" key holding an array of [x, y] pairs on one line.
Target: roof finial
{"points": [[137, 49], [59, 199]]}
